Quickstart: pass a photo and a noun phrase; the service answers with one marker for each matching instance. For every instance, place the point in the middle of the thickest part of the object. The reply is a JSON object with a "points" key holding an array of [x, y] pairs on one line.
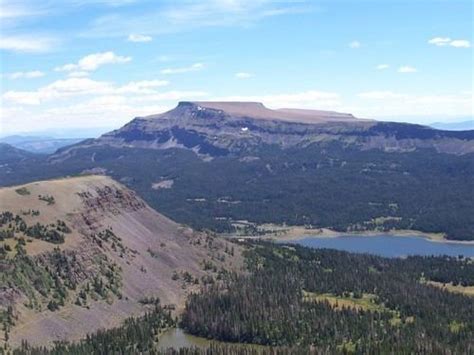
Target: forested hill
{"points": [[84, 253], [338, 302], [211, 164], [10, 154]]}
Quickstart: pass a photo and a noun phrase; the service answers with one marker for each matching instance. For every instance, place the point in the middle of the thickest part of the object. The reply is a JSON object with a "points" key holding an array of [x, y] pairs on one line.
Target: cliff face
{"points": [[222, 128], [116, 253]]}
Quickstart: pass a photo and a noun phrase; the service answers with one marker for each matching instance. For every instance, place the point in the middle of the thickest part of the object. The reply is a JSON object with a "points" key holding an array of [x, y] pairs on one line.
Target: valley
{"points": [[159, 230], [236, 177]]}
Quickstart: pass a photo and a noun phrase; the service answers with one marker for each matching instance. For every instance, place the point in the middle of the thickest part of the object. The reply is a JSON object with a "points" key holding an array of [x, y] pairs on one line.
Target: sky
{"points": [[100, 63]]}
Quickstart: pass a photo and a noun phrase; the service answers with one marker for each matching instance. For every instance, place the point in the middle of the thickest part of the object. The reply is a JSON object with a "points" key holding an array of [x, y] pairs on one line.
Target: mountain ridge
{"points": [[109, 234]]}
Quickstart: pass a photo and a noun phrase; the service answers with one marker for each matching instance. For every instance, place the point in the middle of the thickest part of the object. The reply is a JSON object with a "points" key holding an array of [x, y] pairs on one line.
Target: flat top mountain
{"points": [[220, 128], [90, 254], [212, 164], [258, 110]]}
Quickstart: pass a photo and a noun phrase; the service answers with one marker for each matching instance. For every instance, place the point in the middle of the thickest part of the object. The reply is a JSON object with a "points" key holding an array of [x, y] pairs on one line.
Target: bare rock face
{"points": [[213, 129]]}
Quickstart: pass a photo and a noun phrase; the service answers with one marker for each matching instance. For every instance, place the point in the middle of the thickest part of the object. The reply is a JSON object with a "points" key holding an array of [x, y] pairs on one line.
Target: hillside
{"points": [[222, 166], [84, 253], [9, 153]]}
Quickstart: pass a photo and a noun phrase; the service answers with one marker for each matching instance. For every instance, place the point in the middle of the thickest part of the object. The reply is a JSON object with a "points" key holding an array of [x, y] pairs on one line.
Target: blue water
{"points": [[389, 246]]}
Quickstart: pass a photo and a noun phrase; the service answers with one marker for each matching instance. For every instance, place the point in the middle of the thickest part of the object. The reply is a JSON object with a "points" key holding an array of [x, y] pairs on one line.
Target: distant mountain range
{"points": [[39, 144], [454, 126], [210, 164]]}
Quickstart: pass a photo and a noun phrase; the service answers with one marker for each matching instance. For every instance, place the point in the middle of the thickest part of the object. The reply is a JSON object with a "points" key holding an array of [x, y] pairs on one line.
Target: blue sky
{"points": [[99, 63]]}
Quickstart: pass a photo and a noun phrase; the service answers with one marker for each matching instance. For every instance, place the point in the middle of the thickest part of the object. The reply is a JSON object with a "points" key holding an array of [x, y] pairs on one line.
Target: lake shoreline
{"points": [[295, 233]]}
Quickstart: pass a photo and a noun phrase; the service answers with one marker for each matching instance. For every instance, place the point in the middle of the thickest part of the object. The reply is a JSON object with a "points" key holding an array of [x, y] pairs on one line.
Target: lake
{"points": [[389, 246]]}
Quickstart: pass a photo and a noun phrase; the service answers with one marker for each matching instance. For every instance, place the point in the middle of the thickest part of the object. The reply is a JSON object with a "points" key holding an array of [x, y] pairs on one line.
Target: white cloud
{"points": [[243, 75], [355, 44], [193, 67], [139, 38], [92, 62], [460, 43], [33, 44], [440, 41], [74, 87], [382, 66], [407, 69], [25, 75], [446, 41], [58, 89]]}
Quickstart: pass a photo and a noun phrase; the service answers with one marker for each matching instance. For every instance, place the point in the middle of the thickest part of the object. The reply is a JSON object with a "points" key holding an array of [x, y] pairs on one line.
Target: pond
{"points": [[176, 338], [389, 246]]}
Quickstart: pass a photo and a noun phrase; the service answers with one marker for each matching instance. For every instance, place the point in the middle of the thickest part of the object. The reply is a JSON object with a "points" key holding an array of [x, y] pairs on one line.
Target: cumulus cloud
{"points": [[193, 67], [139, 38], [92, 62], [25, 75], [448, 42], [73, 87], [382, 66], [57, 89], [407, 69], [243, 75], [460, 43]]}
